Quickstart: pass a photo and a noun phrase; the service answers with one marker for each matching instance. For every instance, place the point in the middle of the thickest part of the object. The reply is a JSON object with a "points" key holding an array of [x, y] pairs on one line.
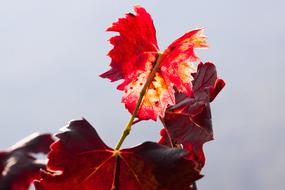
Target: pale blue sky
{"points": [[51, 53]]}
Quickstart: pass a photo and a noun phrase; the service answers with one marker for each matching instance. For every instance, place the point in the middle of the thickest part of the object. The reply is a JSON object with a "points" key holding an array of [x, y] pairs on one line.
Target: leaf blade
{"points": [[135, 168]]}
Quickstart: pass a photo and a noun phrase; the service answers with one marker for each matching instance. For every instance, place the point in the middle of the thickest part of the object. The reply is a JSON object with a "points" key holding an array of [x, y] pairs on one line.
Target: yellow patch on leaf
{"points": [[185, 71], [156, 99], [159, 95], [199, 39]]}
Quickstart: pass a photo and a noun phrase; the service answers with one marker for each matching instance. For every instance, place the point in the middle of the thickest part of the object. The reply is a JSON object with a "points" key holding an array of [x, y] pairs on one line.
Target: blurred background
{"points": [[51, 53]]}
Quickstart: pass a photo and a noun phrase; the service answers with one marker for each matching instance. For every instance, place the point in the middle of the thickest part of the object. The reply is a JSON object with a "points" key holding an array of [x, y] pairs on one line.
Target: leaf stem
{"points": [[167, 133], [129, 125], [194, 186]]}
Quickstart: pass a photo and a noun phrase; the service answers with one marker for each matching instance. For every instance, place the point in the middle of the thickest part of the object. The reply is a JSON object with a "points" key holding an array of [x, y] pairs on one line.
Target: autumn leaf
{"points": [[137, 36], [133, 57], [188, 123], [18, 166], [80, 160]]}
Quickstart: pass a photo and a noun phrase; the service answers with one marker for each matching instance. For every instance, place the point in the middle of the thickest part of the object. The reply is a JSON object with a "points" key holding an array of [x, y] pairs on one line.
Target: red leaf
{"points": [[177, 59], [18, 167], [189, 121], [80, 160], [156, 99], [137, 36], [134, 54]]}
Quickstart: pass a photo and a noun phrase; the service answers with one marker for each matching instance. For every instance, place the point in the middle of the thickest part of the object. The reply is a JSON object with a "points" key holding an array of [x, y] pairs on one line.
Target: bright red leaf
{"points": [[134, 54], [18, 166], [80, 160], [137, 37], [189, 121]]}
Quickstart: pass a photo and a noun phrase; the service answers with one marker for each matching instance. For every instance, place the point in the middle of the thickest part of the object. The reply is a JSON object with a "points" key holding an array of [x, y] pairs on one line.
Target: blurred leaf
{"points": [[18, 166]]}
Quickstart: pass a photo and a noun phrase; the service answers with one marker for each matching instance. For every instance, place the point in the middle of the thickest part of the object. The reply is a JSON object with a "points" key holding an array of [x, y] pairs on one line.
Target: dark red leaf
{"points": [[80, 160], [215, 90], [189, 121], [18, 166]]}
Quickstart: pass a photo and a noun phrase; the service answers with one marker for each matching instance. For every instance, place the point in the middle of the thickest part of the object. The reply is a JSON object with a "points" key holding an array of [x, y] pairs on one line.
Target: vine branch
{"points": [[129, 125]]}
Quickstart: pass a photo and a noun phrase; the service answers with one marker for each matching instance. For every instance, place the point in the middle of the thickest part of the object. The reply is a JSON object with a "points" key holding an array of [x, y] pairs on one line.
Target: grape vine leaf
{"points": [[80, 160], [133, 57], [18, 166], [188, 123]]}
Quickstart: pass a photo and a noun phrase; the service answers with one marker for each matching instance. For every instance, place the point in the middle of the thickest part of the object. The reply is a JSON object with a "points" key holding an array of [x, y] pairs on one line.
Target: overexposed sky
{"points": [[51, 53]]}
